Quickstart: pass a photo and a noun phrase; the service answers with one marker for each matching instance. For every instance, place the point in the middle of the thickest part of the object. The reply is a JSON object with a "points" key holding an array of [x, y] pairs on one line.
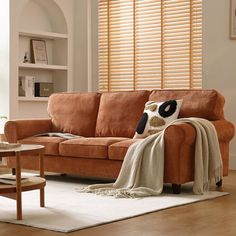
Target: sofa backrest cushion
{"points": [[119, 113], [206, 104], [74, 113]]}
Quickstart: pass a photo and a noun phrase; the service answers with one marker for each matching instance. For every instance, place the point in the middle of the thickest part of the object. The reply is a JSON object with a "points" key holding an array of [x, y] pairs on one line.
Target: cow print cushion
{"points": [[156, 116]]}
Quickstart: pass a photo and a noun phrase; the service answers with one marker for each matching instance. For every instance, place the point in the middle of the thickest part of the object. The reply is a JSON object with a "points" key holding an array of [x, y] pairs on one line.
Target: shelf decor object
{"points": [[233, 19], [39, 52], [41, 49]]}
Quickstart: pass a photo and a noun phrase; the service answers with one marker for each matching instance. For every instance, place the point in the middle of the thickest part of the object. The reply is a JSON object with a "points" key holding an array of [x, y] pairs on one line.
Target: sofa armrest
{"points": [[19, 129], [179, 142], [180, 133], [179, 145], [225, 130], [185, 132]]}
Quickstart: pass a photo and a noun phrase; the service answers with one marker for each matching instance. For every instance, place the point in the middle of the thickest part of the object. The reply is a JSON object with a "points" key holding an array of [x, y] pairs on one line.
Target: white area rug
{"points": [[67, 210]]}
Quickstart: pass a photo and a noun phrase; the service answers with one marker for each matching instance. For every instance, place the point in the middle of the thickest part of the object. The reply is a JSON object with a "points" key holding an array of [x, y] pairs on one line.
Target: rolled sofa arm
{"points": [[180, 133], [179, 143], [19, 129], [224, 129], [186, 132], [180, 147]]}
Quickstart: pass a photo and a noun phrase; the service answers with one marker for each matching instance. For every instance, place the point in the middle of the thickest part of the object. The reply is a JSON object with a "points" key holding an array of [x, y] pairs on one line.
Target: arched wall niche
{"points": [[43, 15]]}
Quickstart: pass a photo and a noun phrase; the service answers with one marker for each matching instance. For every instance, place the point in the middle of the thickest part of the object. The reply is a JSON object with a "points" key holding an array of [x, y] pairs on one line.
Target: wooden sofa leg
{"points": [[219, 184], [176, 188], [13, 171]]}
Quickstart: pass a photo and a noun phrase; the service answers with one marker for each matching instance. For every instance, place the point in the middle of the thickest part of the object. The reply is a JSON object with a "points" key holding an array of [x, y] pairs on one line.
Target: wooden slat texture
{"points": [[150, 44]]}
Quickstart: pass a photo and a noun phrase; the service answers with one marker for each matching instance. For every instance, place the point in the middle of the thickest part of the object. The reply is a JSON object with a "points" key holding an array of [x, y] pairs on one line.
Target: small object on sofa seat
{"points": [[156, 116], [58, 134]]}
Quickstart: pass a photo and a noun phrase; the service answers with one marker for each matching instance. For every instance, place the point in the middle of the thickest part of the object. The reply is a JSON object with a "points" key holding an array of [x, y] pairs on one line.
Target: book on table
{"points": [[11, 179], [6, 145]]}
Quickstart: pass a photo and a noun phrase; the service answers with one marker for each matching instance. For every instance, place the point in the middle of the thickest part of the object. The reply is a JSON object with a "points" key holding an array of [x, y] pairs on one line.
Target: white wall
{"points": [[86, 45], [4, 61], [81, 46], [219, 59], [93, 52]]}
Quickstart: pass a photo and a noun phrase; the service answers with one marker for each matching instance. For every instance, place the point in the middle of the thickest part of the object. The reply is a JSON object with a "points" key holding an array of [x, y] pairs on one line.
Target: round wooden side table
{"points": [[14, 191]]}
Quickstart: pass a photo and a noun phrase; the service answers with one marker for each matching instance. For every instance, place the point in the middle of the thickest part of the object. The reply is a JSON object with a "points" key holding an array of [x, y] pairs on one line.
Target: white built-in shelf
{"points": [[33, 99], [42, 66], [42, 34]]}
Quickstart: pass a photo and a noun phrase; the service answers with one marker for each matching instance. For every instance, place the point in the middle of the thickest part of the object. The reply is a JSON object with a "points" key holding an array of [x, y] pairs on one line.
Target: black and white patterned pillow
{"points": [[156, 116]]}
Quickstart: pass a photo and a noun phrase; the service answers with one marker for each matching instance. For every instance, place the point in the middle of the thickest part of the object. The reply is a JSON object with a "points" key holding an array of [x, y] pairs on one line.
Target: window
{"points": [[150, 44]]}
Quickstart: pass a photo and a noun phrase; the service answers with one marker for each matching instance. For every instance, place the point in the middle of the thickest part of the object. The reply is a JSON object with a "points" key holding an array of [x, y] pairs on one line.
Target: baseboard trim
{"points": [[232, 162]]}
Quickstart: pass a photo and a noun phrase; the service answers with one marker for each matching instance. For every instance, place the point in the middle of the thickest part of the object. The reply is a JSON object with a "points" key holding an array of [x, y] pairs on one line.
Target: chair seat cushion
{"points": [[51, 143], [118, 150], [88, 147]]}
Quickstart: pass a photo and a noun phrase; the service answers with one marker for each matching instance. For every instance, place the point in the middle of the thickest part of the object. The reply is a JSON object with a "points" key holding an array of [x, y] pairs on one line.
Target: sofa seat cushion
{"points": [[51, 143], [88, 147], [118, 150]]}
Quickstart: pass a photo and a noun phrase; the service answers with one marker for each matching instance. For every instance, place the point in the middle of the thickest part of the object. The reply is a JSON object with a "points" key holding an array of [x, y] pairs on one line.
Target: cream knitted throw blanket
{"points": [[142, 171]]}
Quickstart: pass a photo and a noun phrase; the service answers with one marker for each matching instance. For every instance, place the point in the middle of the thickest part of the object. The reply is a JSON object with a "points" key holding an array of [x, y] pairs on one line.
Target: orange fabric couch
{"points": [[108, 121]]}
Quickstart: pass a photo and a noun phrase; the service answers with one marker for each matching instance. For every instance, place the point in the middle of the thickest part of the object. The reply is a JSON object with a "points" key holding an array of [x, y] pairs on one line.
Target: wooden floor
{"points": [[212, 217]]}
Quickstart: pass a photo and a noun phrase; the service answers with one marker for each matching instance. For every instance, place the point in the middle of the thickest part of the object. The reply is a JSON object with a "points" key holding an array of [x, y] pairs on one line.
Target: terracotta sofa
{"points": [[108, 121]]}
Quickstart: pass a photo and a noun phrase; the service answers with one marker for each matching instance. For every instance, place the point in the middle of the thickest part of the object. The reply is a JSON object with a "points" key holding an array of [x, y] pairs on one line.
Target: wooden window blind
{"points": [[148, 44]]}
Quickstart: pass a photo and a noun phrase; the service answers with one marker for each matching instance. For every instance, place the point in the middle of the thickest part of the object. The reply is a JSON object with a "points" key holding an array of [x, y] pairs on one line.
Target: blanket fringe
{"points": [[117, 193]]}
